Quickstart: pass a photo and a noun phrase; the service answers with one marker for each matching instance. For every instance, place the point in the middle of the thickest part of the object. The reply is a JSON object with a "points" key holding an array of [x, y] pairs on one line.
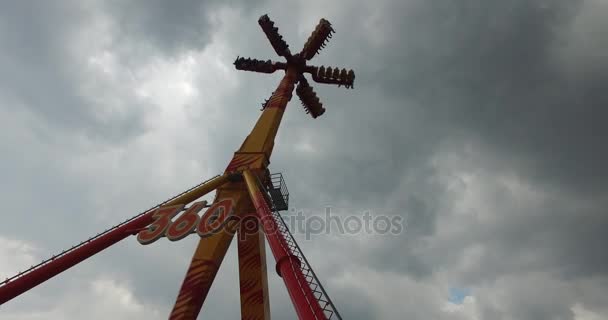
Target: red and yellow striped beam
{"points": [[253, 279], [208, 257]]}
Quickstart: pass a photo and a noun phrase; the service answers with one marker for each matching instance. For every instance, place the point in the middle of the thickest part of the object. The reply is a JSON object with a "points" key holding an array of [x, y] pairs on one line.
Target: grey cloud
{"points": [[171, 27], [43, 74], [488, 70], [497, 84]]}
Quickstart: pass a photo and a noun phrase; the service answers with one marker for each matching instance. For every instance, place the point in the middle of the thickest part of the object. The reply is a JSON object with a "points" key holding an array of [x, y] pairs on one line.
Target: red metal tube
{"points": [[288, 265], [35, 277], [46, 271]]}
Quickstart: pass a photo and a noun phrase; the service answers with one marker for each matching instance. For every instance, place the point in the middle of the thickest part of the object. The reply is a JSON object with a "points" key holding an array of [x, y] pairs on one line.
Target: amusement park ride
{"points": [[247, 203]]}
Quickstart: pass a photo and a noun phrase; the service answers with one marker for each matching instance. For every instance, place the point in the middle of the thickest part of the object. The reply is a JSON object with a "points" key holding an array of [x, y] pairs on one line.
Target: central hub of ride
{"points": [[296, 61], [313, 45]]}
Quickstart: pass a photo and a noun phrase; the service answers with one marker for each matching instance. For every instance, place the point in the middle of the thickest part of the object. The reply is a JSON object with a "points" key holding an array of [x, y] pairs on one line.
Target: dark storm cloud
{"points": [[43, 73], [171, 26], [497, 83], [490, 71], [167, 25], [487, 72]]}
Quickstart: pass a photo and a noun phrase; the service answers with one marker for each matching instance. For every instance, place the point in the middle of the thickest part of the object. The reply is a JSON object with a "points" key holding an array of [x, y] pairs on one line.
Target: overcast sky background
{"points": [[482, 123]]}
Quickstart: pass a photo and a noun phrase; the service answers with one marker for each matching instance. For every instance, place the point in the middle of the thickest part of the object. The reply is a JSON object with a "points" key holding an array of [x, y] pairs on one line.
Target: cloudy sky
{"points": [[481, 123]]}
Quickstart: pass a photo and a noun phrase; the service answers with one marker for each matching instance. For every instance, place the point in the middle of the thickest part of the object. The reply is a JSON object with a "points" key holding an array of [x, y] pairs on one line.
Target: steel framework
{"points": [[247, 202]]}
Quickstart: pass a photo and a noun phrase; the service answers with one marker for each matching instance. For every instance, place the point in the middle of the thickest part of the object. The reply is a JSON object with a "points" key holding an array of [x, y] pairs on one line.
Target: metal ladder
{"points": [[311, 278]]}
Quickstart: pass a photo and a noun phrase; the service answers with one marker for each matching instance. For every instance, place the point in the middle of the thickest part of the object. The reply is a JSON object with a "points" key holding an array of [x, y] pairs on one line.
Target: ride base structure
{"points": [[247, 203]]}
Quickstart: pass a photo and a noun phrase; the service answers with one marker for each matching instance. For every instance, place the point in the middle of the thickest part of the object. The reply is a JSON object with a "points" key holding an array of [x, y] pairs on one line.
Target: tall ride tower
{"points": [[247, 203]]}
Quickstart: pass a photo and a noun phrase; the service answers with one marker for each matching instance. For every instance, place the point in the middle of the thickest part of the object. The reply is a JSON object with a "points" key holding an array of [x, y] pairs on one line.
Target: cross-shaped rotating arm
{"points": [[317, 41]]}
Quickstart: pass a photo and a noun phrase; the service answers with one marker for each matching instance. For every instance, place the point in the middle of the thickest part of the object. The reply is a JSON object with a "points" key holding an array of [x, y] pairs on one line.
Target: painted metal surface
{"points": [[253, 281], [205, 262], [288, 264], [234, 199], [50, 268]]}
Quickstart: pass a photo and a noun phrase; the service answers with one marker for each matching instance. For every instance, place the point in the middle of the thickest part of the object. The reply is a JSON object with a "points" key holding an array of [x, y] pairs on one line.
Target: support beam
{"points": [[261, 138], [207, 258], [63, 262], [253, 280]]}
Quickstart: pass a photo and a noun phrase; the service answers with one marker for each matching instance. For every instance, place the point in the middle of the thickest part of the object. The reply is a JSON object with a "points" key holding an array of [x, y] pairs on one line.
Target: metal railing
{"points": [[312, 280], [64, 252], [278, 183]]}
